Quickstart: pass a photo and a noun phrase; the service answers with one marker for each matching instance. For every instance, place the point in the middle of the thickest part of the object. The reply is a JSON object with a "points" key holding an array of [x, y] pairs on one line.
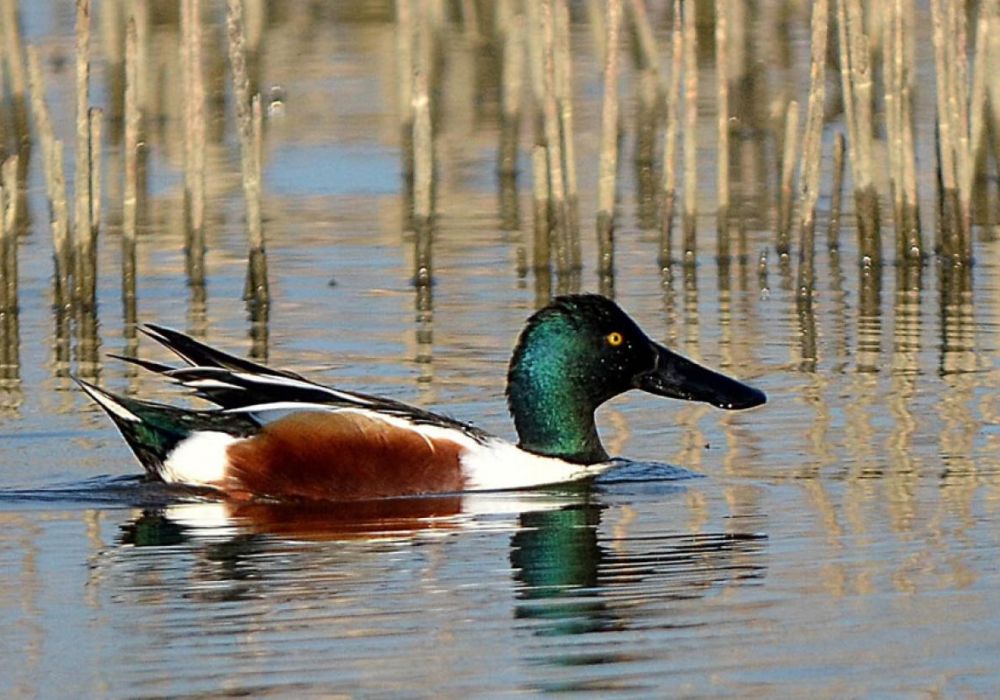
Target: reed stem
{"points": [[9, 328], [404, 80], [423, 137], [812, 142], [608, 169], [81, 180], [563, 65], [540, 187], [53, 168], [857, 85], [553, 141], [132, 125], [95, 117], [722, 126], [791, 146], [249, 139], [512, 88], [194, 122], [12, 51], [690, 48], [670, 138]]}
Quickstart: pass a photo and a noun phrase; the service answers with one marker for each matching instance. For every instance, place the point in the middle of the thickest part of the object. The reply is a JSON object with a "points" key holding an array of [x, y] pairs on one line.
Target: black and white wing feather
{"points": [[235, 383]]}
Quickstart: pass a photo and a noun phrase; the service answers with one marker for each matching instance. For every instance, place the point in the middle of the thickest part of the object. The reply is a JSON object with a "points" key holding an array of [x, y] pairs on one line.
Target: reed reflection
{"points": [[869, 350], [956, 322]]}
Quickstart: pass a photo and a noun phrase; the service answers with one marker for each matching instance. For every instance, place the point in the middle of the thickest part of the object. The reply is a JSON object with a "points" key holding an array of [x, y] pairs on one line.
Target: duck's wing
{"points": [[244, 390], [235, 383]]}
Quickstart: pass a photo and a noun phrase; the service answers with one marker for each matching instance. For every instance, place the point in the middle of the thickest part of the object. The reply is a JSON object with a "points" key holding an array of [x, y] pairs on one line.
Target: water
{"points": [[840, 541]]}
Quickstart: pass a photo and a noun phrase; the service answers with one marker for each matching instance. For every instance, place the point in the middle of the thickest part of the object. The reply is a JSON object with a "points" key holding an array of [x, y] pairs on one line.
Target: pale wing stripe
{"points": [[210, 384], [111, 405], [285, 406], [298, 384]]}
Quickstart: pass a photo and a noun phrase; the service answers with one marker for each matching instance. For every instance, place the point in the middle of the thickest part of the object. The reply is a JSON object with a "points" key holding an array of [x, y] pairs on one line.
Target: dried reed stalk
{"points": [[130, 189], [9, 200], [899, 129], [856, 83], [52, 165], [812, 141], [992, 57], [958, 103], [670, 138], [95, 118], [948, 35], [8, 249], [536, 62], [423, 160], [423, 137], [132, 126], [9, 328], [563, 67], [55, 182], [404, 69], [790, 148], [259, 292], [130, 195], [512, 88], [608, 169], [13, 56], [812, 147], [540, 191], [979, 109], [690, 48], [249, 164], [553, 141], [86, 254], [194, 122], [722, 126], [648, 120], [861, 82], [81, 181]]}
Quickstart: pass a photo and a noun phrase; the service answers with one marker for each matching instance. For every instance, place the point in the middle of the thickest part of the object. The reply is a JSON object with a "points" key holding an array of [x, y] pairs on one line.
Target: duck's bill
{"points": [[679, 378]]}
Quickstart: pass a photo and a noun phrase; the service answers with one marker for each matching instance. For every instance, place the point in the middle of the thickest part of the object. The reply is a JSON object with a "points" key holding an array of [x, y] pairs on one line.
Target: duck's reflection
{"points": [[555, 556], [572, 576], [575, 579], [180, 523]]}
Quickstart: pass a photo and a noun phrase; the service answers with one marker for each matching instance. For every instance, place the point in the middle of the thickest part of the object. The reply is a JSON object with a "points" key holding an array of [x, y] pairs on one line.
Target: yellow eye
{"points": [[615, 339]]}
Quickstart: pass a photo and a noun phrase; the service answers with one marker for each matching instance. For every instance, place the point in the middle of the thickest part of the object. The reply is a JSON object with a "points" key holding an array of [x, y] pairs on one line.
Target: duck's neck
{"points": [[553, 417]]}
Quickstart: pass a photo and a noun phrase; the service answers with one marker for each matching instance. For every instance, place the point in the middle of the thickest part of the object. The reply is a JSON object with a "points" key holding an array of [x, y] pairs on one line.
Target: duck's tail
{"points": [[153, 431]]}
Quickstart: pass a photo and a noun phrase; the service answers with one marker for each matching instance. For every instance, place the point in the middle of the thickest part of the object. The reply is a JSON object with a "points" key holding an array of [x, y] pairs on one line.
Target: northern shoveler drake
{"points": [[278, 436]]}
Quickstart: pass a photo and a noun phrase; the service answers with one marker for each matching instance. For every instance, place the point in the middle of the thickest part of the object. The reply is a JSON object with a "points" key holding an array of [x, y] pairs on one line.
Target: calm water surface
{"points": [[841, 541]]}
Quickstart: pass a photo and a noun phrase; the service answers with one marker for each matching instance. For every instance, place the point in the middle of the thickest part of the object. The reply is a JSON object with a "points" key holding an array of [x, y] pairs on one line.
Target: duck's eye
{"points": [[615, 339]]}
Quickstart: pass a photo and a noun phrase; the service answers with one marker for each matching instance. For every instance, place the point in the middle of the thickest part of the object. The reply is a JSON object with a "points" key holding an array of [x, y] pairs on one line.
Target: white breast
{"points": [[499, 465]]}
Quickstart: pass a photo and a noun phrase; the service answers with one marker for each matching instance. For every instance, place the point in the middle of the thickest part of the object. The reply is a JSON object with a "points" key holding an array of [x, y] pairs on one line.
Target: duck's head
{"points": [[580, 351]]}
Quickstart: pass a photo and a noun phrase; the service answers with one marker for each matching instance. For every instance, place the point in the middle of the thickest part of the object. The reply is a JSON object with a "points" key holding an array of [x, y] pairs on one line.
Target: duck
{"points": [[274, 435]]}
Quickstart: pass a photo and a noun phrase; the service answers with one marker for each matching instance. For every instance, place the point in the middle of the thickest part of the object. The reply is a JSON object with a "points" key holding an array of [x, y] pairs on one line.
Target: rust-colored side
{"points": [[314, 455]]}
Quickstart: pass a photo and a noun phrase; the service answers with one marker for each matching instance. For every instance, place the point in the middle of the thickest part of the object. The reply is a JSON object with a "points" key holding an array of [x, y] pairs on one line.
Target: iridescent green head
{"points": [[580, 351]]}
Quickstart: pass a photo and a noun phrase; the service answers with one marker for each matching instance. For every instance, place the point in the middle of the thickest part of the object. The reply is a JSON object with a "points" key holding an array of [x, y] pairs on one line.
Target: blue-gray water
{"points": [[840, 541]]}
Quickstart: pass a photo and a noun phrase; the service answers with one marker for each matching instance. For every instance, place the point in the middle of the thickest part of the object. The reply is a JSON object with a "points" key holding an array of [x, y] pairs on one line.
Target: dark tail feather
{"points": [[157, 367], [153, 430], [201, 355]]}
